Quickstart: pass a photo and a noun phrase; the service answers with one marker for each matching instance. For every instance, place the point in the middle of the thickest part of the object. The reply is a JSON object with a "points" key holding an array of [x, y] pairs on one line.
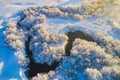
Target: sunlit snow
{"points": [[68, 39]]}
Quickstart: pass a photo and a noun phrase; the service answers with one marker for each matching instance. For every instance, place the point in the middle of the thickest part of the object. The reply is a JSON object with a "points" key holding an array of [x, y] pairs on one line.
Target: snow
{"points": [[106, 23], [88, 61], [8, 7], [22, 60], [11, 68], [10, 12], [1, 66], [22, 75], [47, 45]]}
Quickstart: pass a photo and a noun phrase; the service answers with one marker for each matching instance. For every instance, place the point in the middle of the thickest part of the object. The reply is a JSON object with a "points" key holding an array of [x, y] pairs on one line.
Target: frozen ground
{"points": [[107, 24]]}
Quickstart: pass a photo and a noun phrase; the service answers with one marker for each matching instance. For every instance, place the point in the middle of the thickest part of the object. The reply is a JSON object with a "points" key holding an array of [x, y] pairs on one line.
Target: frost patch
{"points": [[14, 37], [23, 60], [89, 61], [43, 76], [47, 47], [111, 46], [94, 57]]}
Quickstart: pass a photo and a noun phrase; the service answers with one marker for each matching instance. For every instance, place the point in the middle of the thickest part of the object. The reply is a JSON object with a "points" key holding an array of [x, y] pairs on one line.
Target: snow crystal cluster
{"points": [[98, 60], [85, 10], [47, 47], [31, 20], [88, 61], [111, 46], [48, 76], [14, 37], [23, 60]]}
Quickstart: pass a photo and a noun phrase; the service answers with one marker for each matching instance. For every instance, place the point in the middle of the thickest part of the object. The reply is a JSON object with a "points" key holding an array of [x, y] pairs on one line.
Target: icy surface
{"points": [[47, 26]]}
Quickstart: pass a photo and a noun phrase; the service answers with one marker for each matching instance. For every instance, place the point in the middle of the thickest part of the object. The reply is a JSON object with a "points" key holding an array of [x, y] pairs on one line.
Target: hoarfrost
{"points": [[98, 60], [47, 47], [90, 58]]}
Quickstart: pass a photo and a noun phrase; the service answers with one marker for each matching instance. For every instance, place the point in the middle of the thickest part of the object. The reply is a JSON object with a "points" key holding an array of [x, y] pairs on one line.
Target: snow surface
{"points": [[1, 66], [108, 25], [9, 12]]}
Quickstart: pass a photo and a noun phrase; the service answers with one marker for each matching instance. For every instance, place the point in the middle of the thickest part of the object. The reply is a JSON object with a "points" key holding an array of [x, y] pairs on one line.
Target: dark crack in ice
{"points": [[72, 36], [35, 68]]}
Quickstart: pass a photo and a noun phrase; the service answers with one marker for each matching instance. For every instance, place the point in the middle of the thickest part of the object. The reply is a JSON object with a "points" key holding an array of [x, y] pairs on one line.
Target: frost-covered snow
{"points": [[10, 68], [89, 61], [48, 25], [9, 11], [47, 47]]}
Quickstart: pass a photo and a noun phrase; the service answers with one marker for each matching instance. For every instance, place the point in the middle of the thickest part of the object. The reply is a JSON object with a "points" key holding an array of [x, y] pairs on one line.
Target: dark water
{"points": [[72, 36], [34, 67]]}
